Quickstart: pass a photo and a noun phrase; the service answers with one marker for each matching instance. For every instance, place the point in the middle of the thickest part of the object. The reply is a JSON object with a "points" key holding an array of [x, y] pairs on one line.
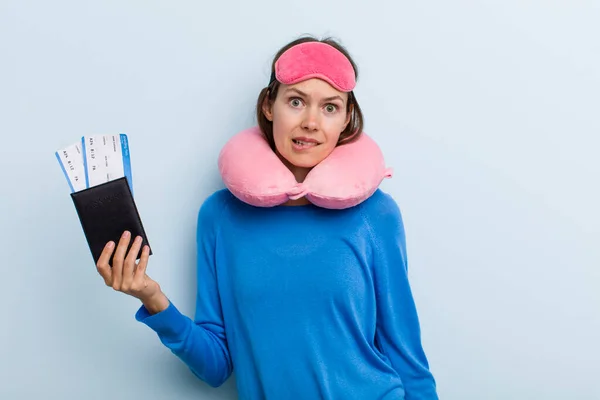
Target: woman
{"points": [[306, 302]]}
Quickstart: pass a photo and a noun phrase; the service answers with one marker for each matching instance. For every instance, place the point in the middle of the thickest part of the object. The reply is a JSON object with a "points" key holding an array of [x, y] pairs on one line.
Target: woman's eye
{"points": [[331, 108], [295, 102]]}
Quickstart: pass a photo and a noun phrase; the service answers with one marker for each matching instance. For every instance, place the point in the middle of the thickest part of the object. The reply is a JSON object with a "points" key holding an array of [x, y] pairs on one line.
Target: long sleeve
{"points": [[398, 330], [200, 343]]}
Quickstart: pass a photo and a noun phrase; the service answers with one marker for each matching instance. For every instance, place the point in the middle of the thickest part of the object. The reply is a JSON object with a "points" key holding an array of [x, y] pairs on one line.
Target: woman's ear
{"points": [[348, 116], [267, 108]]}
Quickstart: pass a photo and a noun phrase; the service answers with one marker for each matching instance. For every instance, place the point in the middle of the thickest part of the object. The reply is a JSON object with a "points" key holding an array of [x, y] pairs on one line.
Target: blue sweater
{"points": [[305, 302]]}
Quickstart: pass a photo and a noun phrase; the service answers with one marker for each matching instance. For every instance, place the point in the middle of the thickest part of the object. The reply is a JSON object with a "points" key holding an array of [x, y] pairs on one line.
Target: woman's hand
{"points": [[129, 277]]}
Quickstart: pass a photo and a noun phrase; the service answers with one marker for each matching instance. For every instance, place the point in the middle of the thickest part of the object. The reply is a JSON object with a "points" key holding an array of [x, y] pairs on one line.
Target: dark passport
{"points": [[105, 212]]}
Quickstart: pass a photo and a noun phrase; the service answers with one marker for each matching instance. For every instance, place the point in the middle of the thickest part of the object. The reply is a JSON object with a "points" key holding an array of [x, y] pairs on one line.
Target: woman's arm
{"points": [[398, 332], [200, 343]]}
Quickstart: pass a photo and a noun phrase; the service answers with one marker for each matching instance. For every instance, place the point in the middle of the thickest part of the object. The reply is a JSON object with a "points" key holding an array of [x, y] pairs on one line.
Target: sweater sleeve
{"points": [[200, 343], [398, 330]]}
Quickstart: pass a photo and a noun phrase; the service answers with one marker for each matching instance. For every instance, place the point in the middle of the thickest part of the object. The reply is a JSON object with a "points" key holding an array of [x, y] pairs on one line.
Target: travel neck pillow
{"points": [[253, 173]]}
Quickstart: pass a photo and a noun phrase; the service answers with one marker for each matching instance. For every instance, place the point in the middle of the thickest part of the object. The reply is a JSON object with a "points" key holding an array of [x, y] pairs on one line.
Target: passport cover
{"points": [[105, 212]]}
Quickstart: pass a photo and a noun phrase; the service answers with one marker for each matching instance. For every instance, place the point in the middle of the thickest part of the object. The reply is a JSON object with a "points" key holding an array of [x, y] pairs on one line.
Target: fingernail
{"points": [[110, 245], [138, 239], [126, 234]]}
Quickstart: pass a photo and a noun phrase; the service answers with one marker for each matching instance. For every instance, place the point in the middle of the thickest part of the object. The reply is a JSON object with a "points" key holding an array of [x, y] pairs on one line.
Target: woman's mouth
{"points": [[304, 143]]}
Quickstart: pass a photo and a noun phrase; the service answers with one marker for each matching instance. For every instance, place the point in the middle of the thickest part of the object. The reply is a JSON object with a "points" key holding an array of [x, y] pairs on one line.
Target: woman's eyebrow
{"points": [[301, 93], [336, 97]]}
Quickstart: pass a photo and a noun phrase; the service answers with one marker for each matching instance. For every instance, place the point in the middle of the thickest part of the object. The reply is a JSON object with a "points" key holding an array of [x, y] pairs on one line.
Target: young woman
{"points": [[306, 302]]}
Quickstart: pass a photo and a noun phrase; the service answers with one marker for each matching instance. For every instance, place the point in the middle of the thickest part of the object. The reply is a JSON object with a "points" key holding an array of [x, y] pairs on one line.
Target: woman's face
{"points": [[308, 118]]}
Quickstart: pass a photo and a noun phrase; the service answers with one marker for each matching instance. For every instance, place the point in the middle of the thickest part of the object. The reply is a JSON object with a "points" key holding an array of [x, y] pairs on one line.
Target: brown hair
{"points": [[355, 126]]}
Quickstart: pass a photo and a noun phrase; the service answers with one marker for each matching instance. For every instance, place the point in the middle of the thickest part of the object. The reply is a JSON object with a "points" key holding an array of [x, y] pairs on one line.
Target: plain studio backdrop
{"points": [[487, 111]]}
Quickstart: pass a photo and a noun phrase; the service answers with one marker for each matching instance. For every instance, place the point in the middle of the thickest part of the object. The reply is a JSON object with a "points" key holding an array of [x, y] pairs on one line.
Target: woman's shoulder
{"points": [[218, 198], [382, 213], [381, 203], [214, 205]]}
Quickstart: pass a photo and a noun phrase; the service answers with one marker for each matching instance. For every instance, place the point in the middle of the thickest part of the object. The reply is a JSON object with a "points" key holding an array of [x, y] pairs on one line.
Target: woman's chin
{"points": [[303, 161]]}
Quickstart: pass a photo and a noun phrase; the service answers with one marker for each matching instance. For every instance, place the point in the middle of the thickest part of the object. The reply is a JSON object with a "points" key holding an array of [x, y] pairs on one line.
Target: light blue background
{"points": [[487, 110]]}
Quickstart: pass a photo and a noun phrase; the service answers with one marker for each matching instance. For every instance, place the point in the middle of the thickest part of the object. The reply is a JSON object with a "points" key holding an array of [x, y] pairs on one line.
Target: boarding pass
{"points": [[96, 159]]}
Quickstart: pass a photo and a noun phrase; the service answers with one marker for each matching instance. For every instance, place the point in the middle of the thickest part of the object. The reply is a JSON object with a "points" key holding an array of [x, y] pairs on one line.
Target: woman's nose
{"points": [[311, 120]]}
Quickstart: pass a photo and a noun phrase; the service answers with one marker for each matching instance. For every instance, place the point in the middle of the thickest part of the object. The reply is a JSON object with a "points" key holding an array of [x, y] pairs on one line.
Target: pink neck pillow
{"points": [[254, 173]]}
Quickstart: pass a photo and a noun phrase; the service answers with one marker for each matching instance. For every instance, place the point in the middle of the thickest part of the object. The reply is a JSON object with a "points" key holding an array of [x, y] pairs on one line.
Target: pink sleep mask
{"points": [[256, 175], [315, 60]]}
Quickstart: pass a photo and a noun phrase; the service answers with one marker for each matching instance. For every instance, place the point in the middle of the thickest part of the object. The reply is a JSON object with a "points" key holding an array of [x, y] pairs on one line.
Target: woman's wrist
{"points": [[156, 303]]}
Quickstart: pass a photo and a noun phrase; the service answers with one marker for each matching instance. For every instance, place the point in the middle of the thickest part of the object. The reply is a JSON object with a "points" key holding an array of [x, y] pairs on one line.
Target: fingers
{"points": [[102, 266], [140, 280], [117, 265], [125, 275], [129, 265], [140, 273]]}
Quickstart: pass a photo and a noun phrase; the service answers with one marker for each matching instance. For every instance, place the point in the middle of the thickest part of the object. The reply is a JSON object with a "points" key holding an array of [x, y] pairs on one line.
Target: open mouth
{"points": [[304, 143]]}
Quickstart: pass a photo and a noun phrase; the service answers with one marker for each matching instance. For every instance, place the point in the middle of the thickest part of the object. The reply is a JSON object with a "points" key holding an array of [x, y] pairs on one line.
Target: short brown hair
{"points": [[355, 126]]}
